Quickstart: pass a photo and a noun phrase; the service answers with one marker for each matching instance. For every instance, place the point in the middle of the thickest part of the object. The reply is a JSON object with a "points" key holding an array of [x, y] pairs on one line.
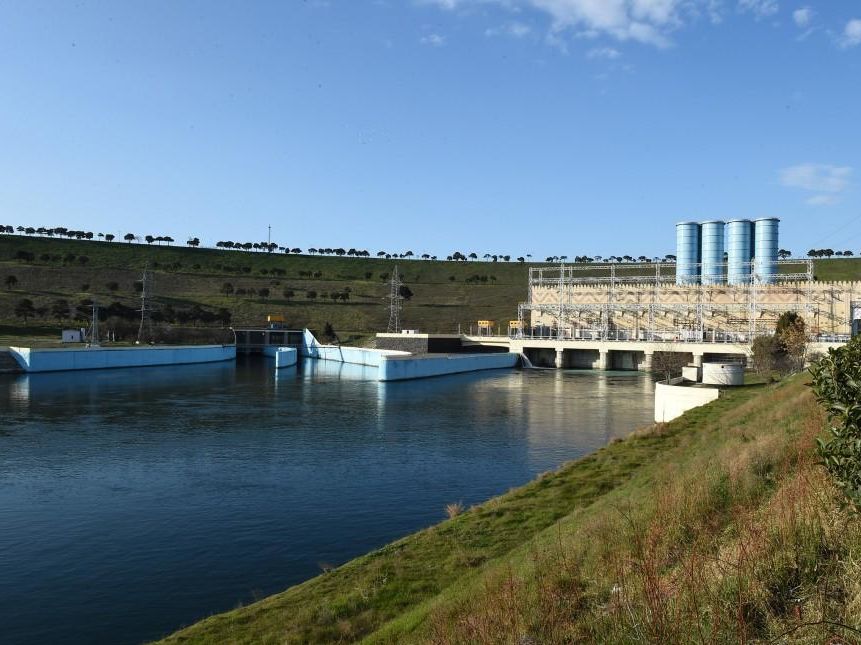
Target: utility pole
{"points": [[269, 235]]}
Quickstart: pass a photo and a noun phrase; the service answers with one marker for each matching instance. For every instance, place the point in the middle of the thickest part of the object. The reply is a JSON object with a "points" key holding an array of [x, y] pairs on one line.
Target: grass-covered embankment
{"points": [[716, 527]]}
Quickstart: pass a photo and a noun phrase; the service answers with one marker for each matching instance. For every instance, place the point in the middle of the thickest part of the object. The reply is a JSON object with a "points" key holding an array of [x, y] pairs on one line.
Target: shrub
{"points": [[453, 510], [837, 385]]}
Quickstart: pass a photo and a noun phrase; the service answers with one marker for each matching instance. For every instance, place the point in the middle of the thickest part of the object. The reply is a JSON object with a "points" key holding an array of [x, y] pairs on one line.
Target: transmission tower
{"points": [[146, 308], [395, 304], [94, 326]]}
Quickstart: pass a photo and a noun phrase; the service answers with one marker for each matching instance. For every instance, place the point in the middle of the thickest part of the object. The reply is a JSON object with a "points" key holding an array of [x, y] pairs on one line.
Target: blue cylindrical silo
{"points": [[687, 253], [712, 245], [739, 248], [765, 251]]}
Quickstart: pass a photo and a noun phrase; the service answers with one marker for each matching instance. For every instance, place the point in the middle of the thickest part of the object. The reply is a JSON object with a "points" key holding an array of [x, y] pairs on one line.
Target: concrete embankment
{"points": [[673, 399], [284, 356], [395, 365], [90, 358], [393, 368]]}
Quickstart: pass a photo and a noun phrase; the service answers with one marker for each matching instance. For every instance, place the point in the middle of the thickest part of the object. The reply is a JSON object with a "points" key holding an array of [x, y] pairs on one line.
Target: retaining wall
{"points": [[400, 369], [285, 357], [57, 360], [672, 401]]}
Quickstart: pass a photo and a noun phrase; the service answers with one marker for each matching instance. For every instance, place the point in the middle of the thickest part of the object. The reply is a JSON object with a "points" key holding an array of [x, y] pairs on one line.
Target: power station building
{"points": [[727, 285]]}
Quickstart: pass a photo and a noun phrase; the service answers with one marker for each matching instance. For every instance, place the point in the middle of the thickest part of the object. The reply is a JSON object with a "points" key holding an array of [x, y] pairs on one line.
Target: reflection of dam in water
{"points": [[233, 480]]}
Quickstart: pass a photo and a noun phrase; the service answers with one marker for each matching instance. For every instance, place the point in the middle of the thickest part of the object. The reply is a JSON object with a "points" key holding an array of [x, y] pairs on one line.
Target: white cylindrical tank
{"points": [[723, 374]]}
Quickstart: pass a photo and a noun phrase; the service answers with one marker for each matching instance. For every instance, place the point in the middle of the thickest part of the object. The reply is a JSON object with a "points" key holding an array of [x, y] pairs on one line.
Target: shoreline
{"points": [[424, 567]]}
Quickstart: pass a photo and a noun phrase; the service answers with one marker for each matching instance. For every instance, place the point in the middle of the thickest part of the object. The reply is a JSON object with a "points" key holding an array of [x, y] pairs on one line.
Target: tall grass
{"points": [[747, 545]]}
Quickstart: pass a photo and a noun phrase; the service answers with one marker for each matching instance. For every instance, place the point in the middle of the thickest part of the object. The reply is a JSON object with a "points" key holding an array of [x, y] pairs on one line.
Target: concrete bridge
{"points": [[620, 354]]}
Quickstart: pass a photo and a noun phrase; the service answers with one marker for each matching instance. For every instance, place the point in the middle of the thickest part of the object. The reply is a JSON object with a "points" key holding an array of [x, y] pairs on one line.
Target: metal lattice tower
{"points": [[94, 326], [395, 304], [146, 309]]}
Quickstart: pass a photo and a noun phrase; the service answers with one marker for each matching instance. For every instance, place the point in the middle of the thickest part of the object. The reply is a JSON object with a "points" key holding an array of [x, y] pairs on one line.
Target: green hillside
{"points": [[301, 287], [350, 293]]}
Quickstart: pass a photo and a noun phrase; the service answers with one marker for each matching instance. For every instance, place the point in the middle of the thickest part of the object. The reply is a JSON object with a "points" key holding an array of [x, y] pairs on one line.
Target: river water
{"points": [[133, 502]]}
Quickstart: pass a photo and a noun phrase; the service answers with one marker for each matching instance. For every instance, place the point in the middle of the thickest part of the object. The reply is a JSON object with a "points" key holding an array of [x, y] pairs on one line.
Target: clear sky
{"points": [[502, 126]]}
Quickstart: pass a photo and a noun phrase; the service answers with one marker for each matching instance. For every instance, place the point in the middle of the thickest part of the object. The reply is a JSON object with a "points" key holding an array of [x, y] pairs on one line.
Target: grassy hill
{"points": [[251, 285], [717, 527], [445, 293]]}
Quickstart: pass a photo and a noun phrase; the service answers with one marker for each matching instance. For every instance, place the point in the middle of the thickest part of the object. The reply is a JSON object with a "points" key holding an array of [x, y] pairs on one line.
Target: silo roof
{"points": [[686, 223], [713, 221], [767, 219]]}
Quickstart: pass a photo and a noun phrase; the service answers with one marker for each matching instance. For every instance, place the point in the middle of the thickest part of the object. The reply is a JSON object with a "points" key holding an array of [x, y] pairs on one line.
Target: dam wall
{"points": [[401, 369], [93, 358], [285, 357], [395, 365]]}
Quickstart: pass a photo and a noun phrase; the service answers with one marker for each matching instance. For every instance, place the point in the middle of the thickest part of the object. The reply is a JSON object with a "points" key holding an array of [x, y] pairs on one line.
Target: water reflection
{"points": [[63, 393]]}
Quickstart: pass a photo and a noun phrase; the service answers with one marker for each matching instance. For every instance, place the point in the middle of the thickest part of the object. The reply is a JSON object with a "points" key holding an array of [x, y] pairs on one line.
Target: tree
{"points": [[794, 342], [765, 350], [128, 237], [149, 239], [405, 292], [311, 294], [783, 254], [60, 309], [289, 294], [11, 281], [263, 293], [329, 332], [227, 289], [109, 237], [669, 363], [24, 309], [194, 242]]}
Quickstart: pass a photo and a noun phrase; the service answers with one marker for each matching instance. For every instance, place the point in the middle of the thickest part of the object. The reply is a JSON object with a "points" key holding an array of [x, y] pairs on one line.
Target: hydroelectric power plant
{"points": [[727, 286]]}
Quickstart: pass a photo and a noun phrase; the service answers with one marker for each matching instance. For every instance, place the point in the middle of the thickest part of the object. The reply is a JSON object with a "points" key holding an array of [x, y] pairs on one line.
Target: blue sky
{"points": [[502, 126]]}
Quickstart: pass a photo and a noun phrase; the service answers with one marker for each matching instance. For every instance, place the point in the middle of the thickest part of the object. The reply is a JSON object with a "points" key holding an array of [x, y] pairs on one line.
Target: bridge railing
{"points": [[623, 335]]}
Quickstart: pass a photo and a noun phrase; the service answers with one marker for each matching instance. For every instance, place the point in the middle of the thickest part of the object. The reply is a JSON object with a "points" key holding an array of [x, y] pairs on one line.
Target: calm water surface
{"points": [[133, 502]]}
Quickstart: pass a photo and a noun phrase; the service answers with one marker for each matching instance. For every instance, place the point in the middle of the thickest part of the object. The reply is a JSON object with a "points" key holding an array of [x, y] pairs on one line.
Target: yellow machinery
{"points": [[485, 327], [275, 321]]}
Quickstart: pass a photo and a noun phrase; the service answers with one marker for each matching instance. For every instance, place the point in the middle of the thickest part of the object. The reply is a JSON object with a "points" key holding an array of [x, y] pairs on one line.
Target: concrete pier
{"points": [[618, 354]]}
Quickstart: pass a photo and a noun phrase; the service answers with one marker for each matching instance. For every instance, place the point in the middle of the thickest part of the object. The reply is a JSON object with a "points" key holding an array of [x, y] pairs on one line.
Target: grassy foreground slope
{"points": [[717, 527]]}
